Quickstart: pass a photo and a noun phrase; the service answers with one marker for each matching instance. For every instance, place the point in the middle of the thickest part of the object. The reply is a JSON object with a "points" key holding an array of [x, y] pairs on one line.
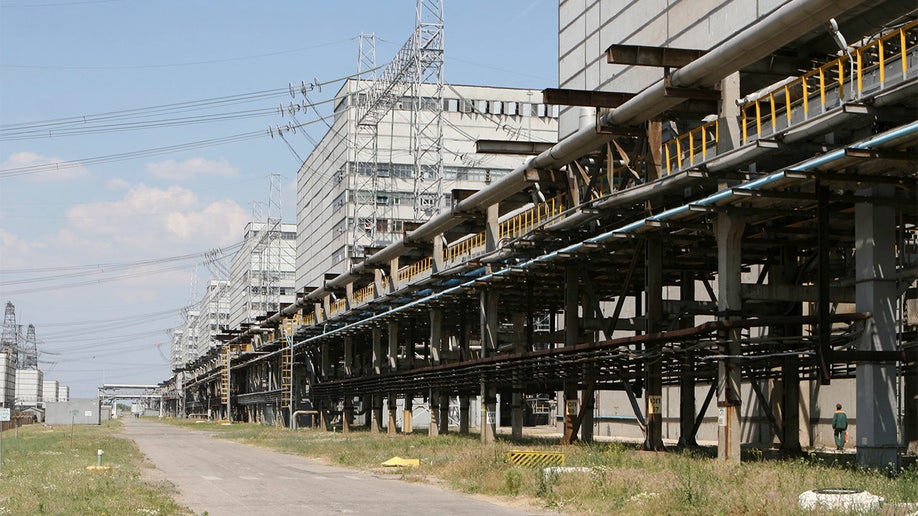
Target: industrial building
{"points": [[722, 245]]}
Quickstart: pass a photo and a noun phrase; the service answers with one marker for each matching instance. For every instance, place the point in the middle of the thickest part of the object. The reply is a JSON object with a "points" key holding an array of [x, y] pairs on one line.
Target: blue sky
{"points": [[93, 230]]}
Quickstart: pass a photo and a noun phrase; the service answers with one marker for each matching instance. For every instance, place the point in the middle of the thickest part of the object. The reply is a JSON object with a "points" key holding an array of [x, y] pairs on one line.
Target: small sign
{"points": [[87, 413], [4, 414], [722, 416], [570, 408], [654, 404]]}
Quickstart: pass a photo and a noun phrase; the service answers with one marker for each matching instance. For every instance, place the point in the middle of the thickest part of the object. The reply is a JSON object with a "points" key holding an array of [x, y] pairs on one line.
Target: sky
{"points": [[134, 140]]}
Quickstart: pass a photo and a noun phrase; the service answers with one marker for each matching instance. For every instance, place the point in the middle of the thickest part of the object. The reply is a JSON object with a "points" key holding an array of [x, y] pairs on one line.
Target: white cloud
{"points": [[70, 171], [189, 169], [117, 184], [160, 222]]}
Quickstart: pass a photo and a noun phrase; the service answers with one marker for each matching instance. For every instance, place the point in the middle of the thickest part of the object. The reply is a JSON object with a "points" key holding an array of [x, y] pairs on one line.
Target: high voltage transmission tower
{"points": [[413, 77], [9, 339], [29, 352]]}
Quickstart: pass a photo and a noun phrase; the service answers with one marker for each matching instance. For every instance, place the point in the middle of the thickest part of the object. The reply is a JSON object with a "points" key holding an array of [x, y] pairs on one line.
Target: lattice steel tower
{"points": [[9, 339], [29, 358], [415, 76]]}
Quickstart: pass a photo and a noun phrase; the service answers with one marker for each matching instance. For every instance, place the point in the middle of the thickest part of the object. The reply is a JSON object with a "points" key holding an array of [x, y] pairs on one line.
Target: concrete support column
{"points": [[377, 351], [488, 413], [433, 425], [653, 368], [348, 356], [324, 362], [571, 306], [376, 414], [875, 292], [436, 262], [436, 335], [729, 119], [516, 415], [571, 408], [444, 413], [393, 346], [464, 415], [729, 231], [393, 407], [407, 424], [347, 414]]}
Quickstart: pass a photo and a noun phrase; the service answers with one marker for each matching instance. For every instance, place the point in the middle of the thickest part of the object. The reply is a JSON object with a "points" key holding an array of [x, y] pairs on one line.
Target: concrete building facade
{"points": [[49, 390], [29, 387], [336, 214], [262, 272]]}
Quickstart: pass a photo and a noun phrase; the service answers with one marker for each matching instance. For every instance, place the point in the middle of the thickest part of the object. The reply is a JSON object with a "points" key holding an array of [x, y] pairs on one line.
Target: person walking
{"points": [[840, 425]]}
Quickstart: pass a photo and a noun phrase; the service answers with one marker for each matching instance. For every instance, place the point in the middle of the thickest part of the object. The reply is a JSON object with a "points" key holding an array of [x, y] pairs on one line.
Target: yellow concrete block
{"points": [[400, 462]]}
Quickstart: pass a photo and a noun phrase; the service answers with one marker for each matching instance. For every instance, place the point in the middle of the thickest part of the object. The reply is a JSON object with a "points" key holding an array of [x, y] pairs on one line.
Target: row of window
{"points": [[406, 171], [461, 105]]}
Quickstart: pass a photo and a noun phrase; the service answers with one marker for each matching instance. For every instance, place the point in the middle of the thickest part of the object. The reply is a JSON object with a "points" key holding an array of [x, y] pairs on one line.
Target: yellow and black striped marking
{"points": [[535, 458]]}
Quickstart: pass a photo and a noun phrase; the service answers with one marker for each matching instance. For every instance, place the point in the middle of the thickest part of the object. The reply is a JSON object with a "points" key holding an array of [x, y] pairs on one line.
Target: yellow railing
{"points": [[525, 222], [337, 306], [872, 57], [409, 272], [364, 294], [684, 149], [464, 248]]}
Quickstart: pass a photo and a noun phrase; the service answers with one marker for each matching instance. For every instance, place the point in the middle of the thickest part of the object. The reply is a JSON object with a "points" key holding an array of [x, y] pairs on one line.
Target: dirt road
{"points": [[224, 478]]}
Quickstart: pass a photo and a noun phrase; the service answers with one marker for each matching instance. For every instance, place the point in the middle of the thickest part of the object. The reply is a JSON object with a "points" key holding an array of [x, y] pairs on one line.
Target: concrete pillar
{"points": [[407, 424], [377, 351], [653, 368], [376, 414], [875, 292], [571, 408], [393, 346], [489, 322], [571, 306], [436, 335], [433, 425], [348, 356], [729, 232], [516, 415], [464, 415], [730, 131], [347, 414], [488, 413], [444, 413], [393, 407], [436, 262]]}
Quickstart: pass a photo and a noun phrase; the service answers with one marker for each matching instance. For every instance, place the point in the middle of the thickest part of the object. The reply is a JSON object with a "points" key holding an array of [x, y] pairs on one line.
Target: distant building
{"points": [[49, 391], [213, 316], [7, 379], [29, 383], [354, 194], [262, 272], [63, 393]]}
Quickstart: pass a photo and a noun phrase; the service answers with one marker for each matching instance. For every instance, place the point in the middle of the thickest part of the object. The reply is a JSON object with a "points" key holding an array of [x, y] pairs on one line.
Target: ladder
{"points": [[287, 377], [225, 376]]}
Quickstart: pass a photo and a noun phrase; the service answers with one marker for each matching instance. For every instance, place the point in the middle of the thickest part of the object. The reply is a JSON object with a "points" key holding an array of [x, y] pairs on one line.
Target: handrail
{"points": [[688, 145], [868, 58]]}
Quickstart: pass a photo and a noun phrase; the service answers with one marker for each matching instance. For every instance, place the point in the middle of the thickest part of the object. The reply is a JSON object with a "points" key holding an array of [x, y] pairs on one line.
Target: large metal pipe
{"points": [[779, 28]]}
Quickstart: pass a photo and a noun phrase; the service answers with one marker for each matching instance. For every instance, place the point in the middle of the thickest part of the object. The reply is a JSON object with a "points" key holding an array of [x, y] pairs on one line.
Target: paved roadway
{"points": [[225, 478]]}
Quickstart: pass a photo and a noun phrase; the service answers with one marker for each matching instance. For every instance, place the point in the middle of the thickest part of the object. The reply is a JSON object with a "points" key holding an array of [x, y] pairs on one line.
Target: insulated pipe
{"points": [[889, 137], [779, 28]]}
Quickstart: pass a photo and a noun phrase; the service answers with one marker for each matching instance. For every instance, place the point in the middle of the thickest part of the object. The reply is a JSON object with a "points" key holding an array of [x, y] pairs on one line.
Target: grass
{"points": [[44, 472], [621, 478]]}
